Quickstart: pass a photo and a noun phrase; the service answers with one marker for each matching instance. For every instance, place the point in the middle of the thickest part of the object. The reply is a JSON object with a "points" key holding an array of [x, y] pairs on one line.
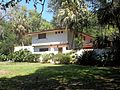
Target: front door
{"points": [[60, 50]]}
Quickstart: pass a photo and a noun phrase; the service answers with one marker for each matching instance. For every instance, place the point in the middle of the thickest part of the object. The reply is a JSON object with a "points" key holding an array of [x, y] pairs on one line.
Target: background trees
{"points": [[108, 12], [19, 21]]}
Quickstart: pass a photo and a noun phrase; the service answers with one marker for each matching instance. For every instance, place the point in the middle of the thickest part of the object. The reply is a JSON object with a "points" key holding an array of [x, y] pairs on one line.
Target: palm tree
{"points": [[72, 14], [19, 21]]}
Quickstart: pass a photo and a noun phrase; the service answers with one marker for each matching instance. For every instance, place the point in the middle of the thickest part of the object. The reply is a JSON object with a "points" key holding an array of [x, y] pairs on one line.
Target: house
{"points": [[56, 40]]}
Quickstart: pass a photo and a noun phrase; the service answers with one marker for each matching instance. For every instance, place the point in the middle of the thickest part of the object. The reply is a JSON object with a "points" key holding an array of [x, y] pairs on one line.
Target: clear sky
{"points": [[46, 15]]}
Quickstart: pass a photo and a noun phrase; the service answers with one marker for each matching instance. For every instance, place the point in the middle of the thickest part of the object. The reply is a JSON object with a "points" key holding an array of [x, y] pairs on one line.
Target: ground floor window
{"points": [[66, 48], [43, 49]]}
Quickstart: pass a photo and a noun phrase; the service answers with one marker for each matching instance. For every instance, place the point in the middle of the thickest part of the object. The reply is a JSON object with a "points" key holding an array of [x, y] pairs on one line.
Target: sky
{"points": [[46, 15]]}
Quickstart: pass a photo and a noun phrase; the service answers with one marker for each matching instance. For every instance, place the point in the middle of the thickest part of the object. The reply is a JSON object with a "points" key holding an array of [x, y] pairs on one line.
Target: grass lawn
{"points": [[35, 76]]}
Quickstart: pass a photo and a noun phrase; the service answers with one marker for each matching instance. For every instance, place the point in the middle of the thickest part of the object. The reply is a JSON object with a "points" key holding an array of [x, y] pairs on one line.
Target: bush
{"points": [[88, 58], [23, 56], [3, 58], [62, 58], [44, 58]]}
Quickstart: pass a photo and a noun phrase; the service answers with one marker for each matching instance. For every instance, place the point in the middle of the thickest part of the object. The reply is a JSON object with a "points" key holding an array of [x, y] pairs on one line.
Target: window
{"points": [[55, 32], [42, 36], [43, 49], [61, 31], [66, 48]]}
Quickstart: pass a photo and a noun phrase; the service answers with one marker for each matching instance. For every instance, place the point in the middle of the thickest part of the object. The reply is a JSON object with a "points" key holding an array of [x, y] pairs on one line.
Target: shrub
{"points": [[62, 58], [73, 57], [45, 57], [3, 57], [23, 56], [88, 58]]}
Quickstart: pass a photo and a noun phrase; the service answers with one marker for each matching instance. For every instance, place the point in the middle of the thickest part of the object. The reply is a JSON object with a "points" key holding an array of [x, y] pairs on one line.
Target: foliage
{"points": [[12, 3], [62, 58], [3, 58], [78, 42], [70, 13], [37, 23], [17, 23], [23, 56], [8, 39], [87, 58], [44, 58], [102, 42], [18, 20], [108, 12]]}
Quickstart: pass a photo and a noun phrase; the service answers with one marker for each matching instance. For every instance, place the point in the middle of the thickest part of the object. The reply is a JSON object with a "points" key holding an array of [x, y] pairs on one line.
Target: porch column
{"points": [[64, 49]]}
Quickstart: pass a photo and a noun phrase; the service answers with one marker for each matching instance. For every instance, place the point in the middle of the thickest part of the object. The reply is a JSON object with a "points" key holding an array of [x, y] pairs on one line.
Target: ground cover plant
{"points": [[36, 76]]}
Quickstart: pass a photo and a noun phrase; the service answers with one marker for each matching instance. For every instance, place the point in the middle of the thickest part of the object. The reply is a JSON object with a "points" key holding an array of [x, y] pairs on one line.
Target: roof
{"points": [[47, 30], [53, 30], [85, 34]]}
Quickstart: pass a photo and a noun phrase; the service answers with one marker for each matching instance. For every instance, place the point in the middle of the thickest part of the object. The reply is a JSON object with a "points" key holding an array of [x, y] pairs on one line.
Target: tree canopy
{"points": [[72, 14], [4, 4]]}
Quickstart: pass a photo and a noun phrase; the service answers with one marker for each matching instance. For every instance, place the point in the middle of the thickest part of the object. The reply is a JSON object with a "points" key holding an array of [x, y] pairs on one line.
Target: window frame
{"points": [[42, 36]]}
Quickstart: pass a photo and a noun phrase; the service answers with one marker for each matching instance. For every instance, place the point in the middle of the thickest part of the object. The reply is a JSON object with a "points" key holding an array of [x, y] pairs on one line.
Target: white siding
{"points": [[30, 48], [51, 38]]}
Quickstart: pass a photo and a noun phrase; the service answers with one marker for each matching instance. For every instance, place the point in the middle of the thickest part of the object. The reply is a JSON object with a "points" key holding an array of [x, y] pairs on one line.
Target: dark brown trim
{"points": [[53, 30], [45, 31]]}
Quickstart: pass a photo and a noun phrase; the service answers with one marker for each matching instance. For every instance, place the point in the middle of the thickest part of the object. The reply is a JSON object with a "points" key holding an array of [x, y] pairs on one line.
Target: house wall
{"points": [[51, 38], [88, 39], [88, 42], [29, 48]]}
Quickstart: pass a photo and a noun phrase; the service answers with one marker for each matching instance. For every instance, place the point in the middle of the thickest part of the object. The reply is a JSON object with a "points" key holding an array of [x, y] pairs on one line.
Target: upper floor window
{"points": [[58, 32], [61, 31], [55, 32], [42, 36]]}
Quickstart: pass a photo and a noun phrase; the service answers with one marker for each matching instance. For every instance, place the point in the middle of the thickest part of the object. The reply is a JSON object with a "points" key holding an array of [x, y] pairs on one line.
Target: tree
{"points": [[70, 13], [8, 39], [37, 23], [108, 12], [17, 17], [4, 4]]}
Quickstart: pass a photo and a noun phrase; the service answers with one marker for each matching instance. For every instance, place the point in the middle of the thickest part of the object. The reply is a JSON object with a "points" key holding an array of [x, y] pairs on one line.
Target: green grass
{"points": [[35, 76]]}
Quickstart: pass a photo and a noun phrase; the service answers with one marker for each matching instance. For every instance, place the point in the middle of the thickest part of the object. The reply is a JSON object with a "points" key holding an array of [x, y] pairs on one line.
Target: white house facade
{"points": [[51, 41]]}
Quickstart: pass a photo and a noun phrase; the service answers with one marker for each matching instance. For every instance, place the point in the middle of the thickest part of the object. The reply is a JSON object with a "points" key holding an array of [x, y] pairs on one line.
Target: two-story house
{"points": [[56, 40]]}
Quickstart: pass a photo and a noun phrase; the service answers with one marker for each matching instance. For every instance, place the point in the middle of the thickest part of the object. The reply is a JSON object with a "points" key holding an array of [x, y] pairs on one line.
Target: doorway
{"points": [[60, 49]]}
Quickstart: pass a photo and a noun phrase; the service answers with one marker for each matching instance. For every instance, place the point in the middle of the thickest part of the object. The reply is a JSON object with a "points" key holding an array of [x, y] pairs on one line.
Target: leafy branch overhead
{"points": [[72, 14], [108, 12], [4, 4]]}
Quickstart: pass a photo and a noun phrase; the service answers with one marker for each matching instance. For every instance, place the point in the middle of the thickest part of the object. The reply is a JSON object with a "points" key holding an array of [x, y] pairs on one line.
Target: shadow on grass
{"points": [[65, 77]]}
